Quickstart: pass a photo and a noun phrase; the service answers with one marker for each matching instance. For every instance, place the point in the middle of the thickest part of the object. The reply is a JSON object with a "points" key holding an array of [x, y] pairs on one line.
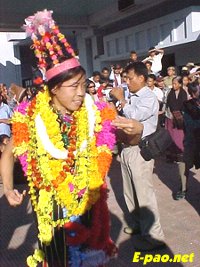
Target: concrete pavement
{"points": [[179, 219]]}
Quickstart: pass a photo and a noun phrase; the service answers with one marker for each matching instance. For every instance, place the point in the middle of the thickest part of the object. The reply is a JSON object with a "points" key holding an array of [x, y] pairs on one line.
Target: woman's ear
{"points": [[54, 90]]}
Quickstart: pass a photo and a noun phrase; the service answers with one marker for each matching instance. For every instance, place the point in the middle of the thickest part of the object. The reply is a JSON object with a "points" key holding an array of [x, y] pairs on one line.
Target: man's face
{"points": [[105, 73], [150, 82], [133, 56], [96, 78], [161, 84], [148, 66], [135, 82], [117, 70]]}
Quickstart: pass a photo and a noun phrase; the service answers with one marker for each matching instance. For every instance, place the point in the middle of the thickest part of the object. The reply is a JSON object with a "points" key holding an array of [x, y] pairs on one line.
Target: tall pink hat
{"points": [[49, 44]]}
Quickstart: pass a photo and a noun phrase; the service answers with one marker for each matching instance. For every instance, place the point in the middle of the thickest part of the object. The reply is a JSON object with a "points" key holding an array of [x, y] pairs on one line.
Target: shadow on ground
{"points": [[168, 174], [12, 221]]}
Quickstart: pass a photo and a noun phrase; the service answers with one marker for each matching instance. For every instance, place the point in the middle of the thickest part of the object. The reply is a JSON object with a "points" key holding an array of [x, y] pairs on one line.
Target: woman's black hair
{"points": [[193, 88], [88, 82], [64, 76]]}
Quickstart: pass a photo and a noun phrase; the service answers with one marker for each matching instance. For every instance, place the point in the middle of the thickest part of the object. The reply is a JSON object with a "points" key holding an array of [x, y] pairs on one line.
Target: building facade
{"points": [[108, 34]]}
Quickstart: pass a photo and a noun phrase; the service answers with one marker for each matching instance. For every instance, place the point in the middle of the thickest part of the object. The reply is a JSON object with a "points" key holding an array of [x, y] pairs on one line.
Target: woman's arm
{"points": [[7, 165], [6, 121]]}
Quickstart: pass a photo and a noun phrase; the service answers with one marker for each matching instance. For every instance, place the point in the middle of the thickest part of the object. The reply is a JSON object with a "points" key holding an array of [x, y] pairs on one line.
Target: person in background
{"points": [[133, 57], [96, 79], [124, 84], [171, 73], [155, 56], [191, 154], [184, 71], [90, 89], [175, 124], [4, 92], [5, 116], [115, 75], [105, 73], [186, 81], [148, 65], [151, 81], [160, 84], [191, 67]]}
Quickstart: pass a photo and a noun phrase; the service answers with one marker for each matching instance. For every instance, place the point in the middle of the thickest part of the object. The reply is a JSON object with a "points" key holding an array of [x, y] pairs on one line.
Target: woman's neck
{"points": [[60, 110]]}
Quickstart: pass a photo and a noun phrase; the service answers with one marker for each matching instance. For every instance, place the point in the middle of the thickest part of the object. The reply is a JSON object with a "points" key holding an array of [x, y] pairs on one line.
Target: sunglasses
{"points": [[92, 86]]}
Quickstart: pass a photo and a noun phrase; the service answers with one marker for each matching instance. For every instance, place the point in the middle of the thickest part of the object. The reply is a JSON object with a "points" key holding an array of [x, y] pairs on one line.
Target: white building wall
{"points": [[10, 68], [174, 29], [168, 32]]}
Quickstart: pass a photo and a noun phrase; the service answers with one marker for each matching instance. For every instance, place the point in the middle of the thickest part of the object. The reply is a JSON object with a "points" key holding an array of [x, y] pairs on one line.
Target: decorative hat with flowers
{"points": [[65, 159]]}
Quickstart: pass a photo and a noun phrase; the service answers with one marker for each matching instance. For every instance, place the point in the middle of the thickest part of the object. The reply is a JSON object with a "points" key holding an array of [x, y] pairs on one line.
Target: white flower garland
{"points": [[44, 137]]}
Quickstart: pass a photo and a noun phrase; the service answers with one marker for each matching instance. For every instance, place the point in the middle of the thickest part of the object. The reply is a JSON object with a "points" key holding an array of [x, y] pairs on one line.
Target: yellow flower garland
{"points": [[85, 179]]}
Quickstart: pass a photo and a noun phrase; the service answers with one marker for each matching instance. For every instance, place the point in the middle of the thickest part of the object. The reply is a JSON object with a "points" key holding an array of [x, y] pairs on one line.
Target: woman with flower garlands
{"points": [[63, 141]]}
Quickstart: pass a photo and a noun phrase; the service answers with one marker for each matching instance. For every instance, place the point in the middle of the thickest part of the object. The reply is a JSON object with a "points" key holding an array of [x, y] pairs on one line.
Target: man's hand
{"points": [[129, 126], [14, 197], [118, 93]]}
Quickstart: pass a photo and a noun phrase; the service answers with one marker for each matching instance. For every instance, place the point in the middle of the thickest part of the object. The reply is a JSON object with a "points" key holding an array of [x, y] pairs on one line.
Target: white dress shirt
{"points": [[158, 92], [143, 107]]}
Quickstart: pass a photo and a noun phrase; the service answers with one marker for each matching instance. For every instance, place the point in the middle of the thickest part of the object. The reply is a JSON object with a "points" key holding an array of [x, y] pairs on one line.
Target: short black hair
{"points": [[152, 76], [139, 68], [133, 52], [148, 62], [96, 73], [105, 68]]}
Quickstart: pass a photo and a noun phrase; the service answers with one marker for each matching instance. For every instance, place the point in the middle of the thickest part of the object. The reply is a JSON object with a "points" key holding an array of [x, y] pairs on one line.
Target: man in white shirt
{"points": [[155, 56], [157, 91], [136, 172]]}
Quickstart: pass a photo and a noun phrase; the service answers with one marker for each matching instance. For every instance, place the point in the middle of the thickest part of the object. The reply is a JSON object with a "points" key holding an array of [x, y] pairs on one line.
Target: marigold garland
{"points": [[75, 182]]}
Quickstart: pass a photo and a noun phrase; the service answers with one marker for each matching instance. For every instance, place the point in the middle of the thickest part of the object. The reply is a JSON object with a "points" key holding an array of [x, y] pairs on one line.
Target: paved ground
{"points": [[180, 221]]}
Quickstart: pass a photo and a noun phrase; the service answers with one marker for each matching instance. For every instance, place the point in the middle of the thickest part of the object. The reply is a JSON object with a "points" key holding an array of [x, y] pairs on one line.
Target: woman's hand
{"points": [[14, 197]]}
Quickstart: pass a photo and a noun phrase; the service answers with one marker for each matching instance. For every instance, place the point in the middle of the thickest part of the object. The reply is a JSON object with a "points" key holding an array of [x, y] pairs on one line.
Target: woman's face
{"points": [[176, 85], [170, 72], [91, 89], [185, 81], [70, 95]]}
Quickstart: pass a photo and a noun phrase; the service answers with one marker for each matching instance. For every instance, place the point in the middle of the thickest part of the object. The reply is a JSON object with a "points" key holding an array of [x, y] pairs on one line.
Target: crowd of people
{"points": [[174, 93], [64, 137]]}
